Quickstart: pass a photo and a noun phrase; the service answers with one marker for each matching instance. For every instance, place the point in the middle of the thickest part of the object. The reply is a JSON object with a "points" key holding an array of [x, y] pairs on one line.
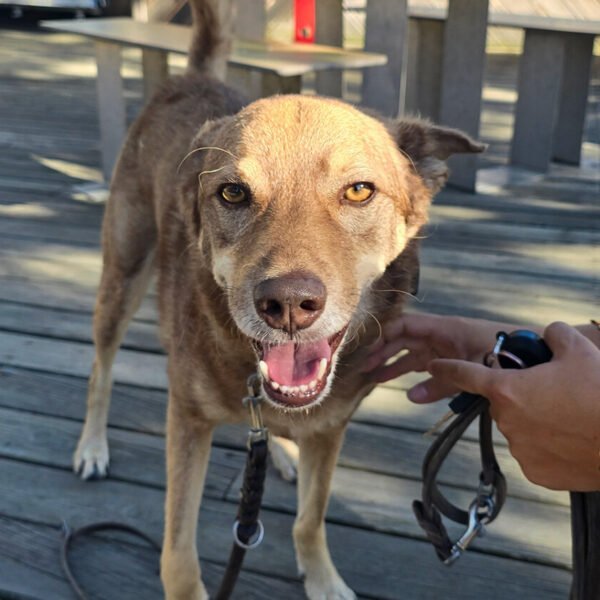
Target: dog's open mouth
{"points": [[295, 374]]}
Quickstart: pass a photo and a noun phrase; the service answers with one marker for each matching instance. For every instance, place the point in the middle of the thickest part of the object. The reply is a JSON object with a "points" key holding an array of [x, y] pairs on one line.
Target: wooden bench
{"points": [[282, 65], [553, 84]]}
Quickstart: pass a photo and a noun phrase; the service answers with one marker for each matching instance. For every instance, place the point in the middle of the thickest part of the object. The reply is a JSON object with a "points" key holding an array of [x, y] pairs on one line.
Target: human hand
{"points": [[550, 413], [426, 337]]}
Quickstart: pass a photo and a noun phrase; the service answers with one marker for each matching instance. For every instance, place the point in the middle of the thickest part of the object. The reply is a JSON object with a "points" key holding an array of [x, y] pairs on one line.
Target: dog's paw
{"points": [[332, 588], [284, 453], [91, 458]]}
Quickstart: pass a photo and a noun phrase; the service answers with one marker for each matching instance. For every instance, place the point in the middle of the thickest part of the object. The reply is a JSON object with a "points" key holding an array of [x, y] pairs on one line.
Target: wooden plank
{"points": [[527, 209], [134, 457], [574, 267], [75, 326], [390, 563], [63, 295], [75, 358]]}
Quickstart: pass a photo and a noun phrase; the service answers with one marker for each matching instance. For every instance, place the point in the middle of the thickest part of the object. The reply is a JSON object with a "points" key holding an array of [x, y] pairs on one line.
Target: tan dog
{"points": [[283, 234]]}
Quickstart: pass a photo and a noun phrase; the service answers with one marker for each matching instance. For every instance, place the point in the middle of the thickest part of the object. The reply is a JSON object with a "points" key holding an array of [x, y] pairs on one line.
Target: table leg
{"points": [[570, 122], [424, 69], [386, 32], [156, 70], [540, 81], [111, 104], [463, 63], [329, 32], [274, 84]]}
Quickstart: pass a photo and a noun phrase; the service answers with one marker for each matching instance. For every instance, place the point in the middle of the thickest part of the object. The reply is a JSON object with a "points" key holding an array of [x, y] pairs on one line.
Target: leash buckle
{"points": [[480, 511], [252, 402]]}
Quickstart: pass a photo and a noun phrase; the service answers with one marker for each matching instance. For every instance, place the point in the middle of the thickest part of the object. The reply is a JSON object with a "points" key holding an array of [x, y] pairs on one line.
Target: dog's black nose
{"points": [[290, 302]]}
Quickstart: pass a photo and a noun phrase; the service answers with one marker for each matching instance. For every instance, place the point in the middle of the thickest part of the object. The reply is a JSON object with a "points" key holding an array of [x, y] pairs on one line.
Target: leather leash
{"points": [[517, 350], [248, 530], [491, 492]]}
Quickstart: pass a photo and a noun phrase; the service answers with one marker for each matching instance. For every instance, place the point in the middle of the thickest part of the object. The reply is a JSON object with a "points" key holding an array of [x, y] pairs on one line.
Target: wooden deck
{"points": [[526, 252]]}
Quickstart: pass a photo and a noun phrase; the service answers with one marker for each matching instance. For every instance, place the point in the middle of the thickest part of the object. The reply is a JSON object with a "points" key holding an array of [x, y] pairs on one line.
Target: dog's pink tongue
{"points": [[292, 364]]}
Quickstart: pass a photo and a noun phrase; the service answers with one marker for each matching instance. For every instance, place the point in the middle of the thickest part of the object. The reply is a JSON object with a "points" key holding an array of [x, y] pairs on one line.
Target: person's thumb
{"points": [[466, 376]]}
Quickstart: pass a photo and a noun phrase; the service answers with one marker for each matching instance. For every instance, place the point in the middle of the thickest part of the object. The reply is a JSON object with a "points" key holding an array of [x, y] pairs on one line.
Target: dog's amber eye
{"points": [[359, 192], [233, 193]]}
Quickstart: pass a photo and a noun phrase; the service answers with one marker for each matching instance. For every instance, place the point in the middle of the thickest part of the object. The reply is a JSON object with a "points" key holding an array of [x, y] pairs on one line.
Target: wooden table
{"points": [[283, 65], [553, 85]]}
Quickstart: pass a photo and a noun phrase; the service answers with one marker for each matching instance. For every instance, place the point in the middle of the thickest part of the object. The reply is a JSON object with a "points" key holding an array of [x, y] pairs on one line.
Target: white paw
{"points": [[333, 588], [284, 454], [91, 457]]}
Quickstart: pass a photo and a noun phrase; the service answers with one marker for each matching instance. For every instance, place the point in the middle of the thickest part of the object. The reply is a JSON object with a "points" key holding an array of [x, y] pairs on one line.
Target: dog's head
{"points": [[299, 205]]}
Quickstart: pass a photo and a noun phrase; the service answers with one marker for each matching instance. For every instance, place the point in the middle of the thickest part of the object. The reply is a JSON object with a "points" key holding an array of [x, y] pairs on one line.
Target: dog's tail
{"points": [[211, 36]]}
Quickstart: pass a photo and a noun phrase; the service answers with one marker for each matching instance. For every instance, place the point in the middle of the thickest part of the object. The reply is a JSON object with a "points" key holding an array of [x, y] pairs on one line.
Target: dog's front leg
{"points": [[318, 456], [188, 451]]}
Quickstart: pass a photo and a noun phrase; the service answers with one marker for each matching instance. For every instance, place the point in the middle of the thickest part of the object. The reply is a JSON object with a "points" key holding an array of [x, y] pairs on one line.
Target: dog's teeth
{"points": [[284, 389], [274, 385], [264, 369], [294, 389], [312, 385], [322, 368], [303, 388]]}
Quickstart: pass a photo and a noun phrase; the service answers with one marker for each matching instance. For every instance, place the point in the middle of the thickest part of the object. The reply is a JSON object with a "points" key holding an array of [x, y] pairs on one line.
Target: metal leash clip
{"points": [[252, 402], [480, 514]]}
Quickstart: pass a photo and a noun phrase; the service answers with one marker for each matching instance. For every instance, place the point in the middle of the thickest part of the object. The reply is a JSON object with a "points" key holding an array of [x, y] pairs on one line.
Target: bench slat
{"points": [[285, 60]]}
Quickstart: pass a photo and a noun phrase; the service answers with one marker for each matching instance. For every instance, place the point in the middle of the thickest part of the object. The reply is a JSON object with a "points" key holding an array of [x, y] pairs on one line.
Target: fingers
{"points": [[431, 390], [466, 376], [382, 352], [561, 337], [411, 325], [405, 364]]}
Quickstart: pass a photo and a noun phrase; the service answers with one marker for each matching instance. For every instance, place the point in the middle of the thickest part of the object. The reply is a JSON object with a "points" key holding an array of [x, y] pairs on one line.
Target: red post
{"points": [[305, 20]]}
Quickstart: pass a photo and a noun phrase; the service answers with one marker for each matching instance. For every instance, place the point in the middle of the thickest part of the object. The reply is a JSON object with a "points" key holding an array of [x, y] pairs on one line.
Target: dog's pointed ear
{"points": [[428, 147]]}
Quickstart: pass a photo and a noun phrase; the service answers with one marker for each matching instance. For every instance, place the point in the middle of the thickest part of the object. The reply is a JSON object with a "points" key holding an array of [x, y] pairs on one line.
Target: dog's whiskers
{"points": [[416, 298], [192, 152], [207, 172]]}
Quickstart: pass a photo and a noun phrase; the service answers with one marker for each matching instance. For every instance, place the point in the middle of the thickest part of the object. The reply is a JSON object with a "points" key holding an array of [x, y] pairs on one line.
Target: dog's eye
{"points": [[233, 193], [359, 192]]}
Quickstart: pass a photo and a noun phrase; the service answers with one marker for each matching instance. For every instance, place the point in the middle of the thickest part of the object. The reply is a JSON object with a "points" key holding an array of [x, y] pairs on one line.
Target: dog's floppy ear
{"points": [[428, 146]]}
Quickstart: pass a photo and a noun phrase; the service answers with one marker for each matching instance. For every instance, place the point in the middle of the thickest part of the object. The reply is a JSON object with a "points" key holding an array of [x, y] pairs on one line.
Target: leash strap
{"points": [[69, 536], [490, 495], [247, 525]]}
